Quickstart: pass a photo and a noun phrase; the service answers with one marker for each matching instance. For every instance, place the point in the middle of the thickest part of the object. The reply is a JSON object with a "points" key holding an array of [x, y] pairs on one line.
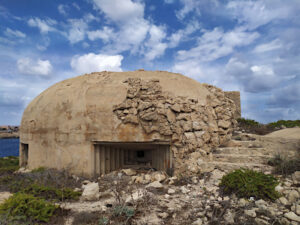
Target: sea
{"points": [[9, 147]]}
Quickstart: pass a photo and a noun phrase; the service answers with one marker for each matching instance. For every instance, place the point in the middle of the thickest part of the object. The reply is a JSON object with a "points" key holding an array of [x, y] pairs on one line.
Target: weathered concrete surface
{"points": [[61, 124], [236, 97]]}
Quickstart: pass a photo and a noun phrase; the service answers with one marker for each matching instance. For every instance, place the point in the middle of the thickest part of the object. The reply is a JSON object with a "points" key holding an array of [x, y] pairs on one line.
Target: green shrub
{"points": [[24, 207], [286, 123], [126, 211], [9, 164], [284, 165], [248, 183], [247, 122], [19, 183], [48, 192]]}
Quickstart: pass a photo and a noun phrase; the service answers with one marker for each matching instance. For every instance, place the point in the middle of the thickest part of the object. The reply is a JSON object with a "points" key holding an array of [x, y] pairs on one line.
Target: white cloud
{"points": [[134, 33], [120, 11], [132, 28], [262, 70], [127, 37], [104, 34], [189, 68], [77, 30], [253, 78], [42, 46], [44, 26], [188, 6], [155, 46], [90, 17], [31, 67], [266, 47], [93, 63], [196, 7], [183, 34], [254, 14], [14, 33], [4, 12], [75, 5], [62, 9], [217, 43]]}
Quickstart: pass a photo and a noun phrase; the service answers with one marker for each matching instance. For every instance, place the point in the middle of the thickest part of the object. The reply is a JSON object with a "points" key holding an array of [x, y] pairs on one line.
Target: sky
{"points": [[241, 45]]}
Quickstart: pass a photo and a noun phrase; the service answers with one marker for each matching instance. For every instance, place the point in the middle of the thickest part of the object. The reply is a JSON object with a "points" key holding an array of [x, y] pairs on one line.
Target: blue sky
{"points": [[249, 46]]}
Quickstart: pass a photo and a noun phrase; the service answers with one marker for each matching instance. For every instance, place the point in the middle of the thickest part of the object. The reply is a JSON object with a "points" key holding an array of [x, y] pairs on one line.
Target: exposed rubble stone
{"points": [[292, 216], [90, 192], [4, 196], [190, 126]]}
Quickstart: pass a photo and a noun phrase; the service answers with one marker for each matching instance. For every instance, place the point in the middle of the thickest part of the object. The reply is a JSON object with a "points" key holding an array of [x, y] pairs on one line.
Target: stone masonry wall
{"points": [[193, 128]]}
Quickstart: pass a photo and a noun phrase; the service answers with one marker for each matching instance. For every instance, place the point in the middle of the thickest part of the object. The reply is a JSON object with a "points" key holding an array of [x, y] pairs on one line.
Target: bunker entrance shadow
{"points": [[24, 155], [110, 156]]}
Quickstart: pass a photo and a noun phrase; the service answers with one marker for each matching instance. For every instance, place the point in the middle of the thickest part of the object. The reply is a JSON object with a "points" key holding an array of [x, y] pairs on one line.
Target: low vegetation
{"points": [[248, 183], [247, 122], [252, 126], [123, 211], [25, 207], [285, 166], [286, 123], [51, 193], [9, 164], [34, 193]]}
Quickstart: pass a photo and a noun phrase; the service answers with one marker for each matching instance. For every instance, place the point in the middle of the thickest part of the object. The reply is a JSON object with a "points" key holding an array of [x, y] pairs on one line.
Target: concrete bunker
{"points": [[110, 156], [154, 119]]}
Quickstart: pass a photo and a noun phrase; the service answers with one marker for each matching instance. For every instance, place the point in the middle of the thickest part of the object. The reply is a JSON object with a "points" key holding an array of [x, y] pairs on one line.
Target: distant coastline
{"points": [[9, 135], [9, 132]]}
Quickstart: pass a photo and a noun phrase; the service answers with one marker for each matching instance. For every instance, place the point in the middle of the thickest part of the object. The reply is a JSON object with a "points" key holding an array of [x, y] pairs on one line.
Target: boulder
{"points": [[171, 191], [292, 216], [293, 196], [283, 201], [90, 192], [155, 184], [129, 172], [250, 212], [158, 176], [296, 208], [279, 189]]}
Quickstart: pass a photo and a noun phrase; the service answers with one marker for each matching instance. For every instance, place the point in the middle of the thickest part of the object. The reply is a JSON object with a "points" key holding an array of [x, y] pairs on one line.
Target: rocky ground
{"points": [[141, 197], [156, 198]]}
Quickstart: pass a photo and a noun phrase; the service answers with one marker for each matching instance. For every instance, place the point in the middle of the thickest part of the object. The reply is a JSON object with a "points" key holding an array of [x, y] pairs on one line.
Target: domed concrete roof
{"points": [[84, 104], [80, 124]]}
